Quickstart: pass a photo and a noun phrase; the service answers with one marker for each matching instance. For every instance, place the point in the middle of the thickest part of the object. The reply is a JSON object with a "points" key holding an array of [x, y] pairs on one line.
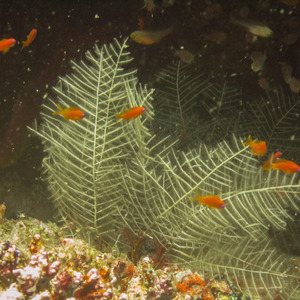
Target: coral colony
{"points": [[67, 268]]}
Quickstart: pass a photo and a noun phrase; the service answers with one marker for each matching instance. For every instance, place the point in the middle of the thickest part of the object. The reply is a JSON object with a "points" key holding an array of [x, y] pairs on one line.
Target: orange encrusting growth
{"points": [[258, 148], [191, 284]]}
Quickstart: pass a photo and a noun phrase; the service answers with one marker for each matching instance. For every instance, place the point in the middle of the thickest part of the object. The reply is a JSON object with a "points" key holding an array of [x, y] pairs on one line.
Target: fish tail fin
{"points": [[59, 111], [24, 45], [193, 199], [59, 107], [271, 166], [197, 191], [267, 165], [248, 141], [119, 117], [197, 198], [56, 113]]}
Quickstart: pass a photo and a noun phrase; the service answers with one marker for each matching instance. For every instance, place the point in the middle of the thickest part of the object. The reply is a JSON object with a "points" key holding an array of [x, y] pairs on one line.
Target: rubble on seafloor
{"points": [[38, 262]]}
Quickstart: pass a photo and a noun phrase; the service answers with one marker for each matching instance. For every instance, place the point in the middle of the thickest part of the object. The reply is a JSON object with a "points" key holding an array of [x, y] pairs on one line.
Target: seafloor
{"points": [[38, 262]]}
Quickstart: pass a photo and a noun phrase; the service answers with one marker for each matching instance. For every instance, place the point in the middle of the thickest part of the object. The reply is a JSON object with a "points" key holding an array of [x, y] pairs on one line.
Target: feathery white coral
{"points": [[106, 175]]}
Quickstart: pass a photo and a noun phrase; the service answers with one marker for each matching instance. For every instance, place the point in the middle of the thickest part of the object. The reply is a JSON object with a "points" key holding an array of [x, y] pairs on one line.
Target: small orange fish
{"points": [[267, 165], [30, 38], [131, 113], [286, 166], [212, 201], [70, 113], [5, 44], [146, 37], [258, 148]]}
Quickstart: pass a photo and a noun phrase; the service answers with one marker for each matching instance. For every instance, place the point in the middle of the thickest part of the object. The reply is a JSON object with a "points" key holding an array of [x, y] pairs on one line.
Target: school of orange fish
{"points": [[148, 37], [258, 148], [6, 44]]}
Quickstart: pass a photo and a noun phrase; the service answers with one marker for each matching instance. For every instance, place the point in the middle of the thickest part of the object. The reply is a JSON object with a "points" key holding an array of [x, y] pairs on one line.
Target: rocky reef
{"points": [[38, 261]]}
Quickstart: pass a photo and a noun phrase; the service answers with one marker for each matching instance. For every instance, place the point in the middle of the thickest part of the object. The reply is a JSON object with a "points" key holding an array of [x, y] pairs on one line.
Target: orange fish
{"points": [[30, 38], [131, 113], [258, 148], [267, 165], [70, 113], [286, 166], [5, 44], [146, 37], [212, 201]]}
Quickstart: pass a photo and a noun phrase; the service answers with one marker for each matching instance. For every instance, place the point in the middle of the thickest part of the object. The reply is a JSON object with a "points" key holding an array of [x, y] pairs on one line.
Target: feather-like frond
{"points": [[194, 109], [235, 240], [105, 175], [277, 121], [179, 94], [86, 158]]}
